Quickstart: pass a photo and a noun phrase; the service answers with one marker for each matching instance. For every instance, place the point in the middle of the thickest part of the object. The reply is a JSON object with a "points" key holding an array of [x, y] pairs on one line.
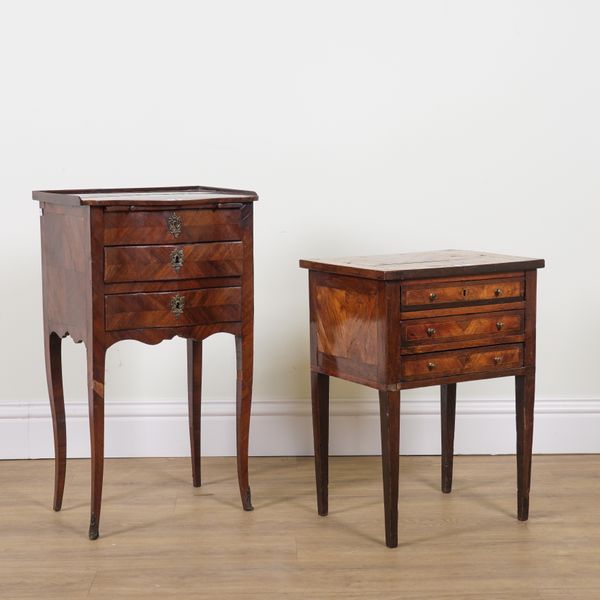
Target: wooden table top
{"points": [[416, 265], [158, 196]]}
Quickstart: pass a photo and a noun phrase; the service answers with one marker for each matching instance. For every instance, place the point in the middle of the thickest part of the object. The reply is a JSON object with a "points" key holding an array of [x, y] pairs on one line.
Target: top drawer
{"points": [[172, 226], [462, 292]]}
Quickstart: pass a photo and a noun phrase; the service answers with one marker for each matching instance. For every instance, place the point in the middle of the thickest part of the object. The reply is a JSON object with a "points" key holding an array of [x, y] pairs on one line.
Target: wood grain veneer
{"points": [[413, 320], [146, 264]]}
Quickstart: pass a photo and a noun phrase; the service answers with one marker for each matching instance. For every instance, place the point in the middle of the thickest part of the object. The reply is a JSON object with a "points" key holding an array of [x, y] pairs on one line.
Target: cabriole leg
{"points": [[243, 346], [95, 359], [194, 369], [52, 348]]}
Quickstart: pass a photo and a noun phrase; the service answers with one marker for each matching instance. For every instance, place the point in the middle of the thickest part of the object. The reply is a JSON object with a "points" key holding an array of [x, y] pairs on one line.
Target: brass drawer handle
{"points": [[497, 292], [177, 259], [497, 359], [431, 366], [432, 296], [431, 331], [174, 224], [177, 305], [499, 325]]}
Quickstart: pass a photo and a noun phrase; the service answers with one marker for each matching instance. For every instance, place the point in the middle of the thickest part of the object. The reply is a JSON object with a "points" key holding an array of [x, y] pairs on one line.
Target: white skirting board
{"points": [[283, 428]]}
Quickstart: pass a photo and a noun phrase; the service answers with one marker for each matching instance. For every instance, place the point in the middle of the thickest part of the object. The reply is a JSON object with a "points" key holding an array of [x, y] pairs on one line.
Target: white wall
{"points": [[370, 127]]}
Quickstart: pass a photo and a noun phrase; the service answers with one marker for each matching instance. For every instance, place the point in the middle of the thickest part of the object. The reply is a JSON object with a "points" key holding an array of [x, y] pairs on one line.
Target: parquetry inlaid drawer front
{"points": [[459, 328], [173, 309], [462, 292], [480, 360], [172, 226], [185, 261]]}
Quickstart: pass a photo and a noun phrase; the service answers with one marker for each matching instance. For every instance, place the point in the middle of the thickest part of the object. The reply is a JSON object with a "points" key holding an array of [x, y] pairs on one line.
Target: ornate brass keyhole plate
{"points": [[177, 305], [177, 259], [174, 224]]}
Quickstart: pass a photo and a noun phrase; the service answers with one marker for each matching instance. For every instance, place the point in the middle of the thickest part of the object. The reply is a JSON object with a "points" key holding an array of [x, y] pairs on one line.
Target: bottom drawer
{"points": [[476, 360], [173, 309]]}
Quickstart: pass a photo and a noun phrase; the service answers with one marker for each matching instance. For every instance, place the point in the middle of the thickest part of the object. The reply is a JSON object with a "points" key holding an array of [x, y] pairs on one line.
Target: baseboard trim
{"points": [[283, 427]]}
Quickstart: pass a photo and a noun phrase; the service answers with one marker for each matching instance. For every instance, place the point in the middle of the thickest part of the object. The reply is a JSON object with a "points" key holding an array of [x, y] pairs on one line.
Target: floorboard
{"points": [[162, 538]]}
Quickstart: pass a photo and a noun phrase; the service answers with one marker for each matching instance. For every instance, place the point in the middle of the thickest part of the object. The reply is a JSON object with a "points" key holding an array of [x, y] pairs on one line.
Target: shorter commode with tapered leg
{"points": [[413, 320]]}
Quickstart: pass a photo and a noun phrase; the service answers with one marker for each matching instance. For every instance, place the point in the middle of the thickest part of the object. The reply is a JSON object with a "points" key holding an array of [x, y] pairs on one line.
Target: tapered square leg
{"points": [[194, 374], [95, 359], [448, 414], [320, 414], [243, 345], [52, 347], [525, 400], [389, 406]]}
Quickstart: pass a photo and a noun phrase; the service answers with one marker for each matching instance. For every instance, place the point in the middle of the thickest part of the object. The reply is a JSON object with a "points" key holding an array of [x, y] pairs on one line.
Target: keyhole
{"points": [[464, 292]]}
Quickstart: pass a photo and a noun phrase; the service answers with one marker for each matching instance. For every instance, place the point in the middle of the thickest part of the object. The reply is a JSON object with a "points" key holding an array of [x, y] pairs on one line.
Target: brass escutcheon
{"points": [[177, 259], [497, 359], [174, 224], [177, 305], [499, 325], [430, 331]]}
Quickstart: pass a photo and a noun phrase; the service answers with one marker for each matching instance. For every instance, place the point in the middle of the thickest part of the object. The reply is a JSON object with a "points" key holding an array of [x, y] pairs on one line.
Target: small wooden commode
{"points": [[145, 264], [413, 320]]}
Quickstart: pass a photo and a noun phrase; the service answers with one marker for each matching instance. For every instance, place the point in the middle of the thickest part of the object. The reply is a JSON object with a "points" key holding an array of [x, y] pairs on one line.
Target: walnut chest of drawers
{"points": [[146, 264], [412, 320]]}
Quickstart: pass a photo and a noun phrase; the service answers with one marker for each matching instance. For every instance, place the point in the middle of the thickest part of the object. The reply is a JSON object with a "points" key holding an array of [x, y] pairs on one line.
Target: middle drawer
{"points": [[462, 328], [184, 261]]}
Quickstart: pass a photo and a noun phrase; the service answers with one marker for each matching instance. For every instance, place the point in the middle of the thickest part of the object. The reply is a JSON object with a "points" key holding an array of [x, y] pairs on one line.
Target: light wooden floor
{"points": [[161, 538]]}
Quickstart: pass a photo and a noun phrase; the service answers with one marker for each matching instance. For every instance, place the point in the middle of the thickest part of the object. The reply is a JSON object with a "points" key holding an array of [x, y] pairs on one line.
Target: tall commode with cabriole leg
{"points": [[146, 264]]}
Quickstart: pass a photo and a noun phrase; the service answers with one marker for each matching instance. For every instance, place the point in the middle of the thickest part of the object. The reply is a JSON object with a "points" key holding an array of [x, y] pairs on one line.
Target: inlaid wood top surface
{"points": [[417, 265], [160, 196]]}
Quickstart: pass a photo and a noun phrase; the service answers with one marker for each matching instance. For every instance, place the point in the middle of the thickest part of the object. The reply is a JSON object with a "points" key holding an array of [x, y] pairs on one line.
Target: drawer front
{"points": [[462, 292], [173, 309], [172, 226], [465, 327], [443, 364], [185, 261]]}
